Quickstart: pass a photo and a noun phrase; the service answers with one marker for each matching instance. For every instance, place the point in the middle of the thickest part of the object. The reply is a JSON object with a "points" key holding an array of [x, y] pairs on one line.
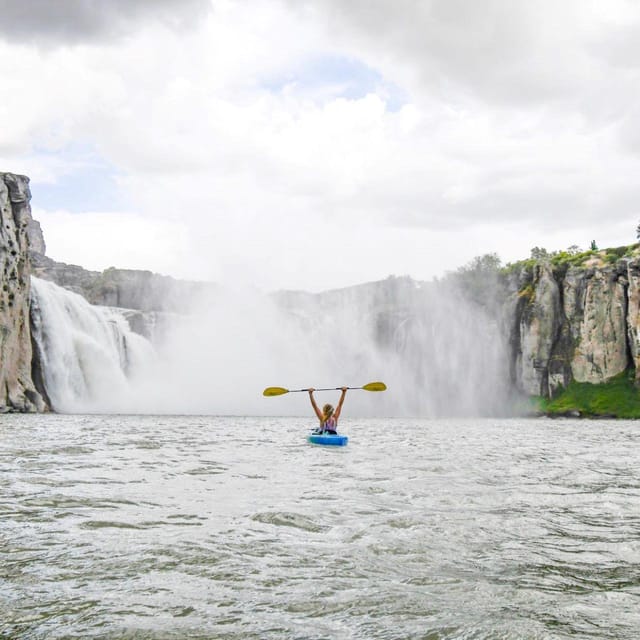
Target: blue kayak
{"points": [[328, 439]]}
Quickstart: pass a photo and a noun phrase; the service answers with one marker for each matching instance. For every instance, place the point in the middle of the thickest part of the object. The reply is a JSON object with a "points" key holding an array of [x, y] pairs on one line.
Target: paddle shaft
{"points": [[278, 391], [327, 389]]}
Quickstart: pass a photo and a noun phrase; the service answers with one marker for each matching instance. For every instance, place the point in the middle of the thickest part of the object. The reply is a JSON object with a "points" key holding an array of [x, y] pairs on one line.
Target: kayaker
{"points": [[328, 416]]}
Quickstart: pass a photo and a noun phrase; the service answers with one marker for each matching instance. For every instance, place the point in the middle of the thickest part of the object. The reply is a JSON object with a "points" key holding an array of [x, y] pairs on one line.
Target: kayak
{"points": [[328, 439]]}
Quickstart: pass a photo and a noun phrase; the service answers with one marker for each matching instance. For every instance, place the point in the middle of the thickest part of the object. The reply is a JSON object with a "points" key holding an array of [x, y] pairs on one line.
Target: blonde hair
{"points": [[327, 411]]}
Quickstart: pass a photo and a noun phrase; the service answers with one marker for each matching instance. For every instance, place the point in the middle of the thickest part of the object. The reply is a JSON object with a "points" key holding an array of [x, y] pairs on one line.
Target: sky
{"points": [[315, 144]]}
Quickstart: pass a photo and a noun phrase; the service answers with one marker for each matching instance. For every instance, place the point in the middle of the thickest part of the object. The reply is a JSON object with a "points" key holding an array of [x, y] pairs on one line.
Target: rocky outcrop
{"points": [[36, 238], [597, 318], [539, 322], [580, 323], [17, 390]]}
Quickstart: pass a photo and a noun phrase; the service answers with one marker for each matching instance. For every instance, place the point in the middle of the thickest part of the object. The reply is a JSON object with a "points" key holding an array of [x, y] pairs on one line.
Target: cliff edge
{"points": [[17, 390]]}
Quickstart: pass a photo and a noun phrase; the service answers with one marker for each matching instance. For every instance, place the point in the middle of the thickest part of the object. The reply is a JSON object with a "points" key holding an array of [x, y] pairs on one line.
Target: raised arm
{"points": [[314, 405], [336, 413]]}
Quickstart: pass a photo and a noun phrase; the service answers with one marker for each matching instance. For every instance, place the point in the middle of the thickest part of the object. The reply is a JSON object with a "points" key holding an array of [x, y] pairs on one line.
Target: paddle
{"points": [[278, 391]]}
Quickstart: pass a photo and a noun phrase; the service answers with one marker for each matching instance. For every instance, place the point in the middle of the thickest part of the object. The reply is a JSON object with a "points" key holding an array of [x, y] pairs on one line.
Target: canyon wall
{"points": [[573, 323], [17, 390]]}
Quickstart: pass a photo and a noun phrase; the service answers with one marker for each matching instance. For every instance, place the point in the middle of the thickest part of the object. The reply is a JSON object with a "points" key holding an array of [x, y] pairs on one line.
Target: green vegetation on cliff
{"points": [[618, 397], [575, 257]]}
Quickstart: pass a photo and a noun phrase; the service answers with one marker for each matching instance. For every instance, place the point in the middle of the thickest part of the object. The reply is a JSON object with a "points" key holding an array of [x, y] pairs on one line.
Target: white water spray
{"points": [[439, 354]]}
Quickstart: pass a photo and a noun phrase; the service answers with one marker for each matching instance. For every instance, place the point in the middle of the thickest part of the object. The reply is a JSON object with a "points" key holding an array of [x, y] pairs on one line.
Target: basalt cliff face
{"points": [[17, 390], [577, 323]]}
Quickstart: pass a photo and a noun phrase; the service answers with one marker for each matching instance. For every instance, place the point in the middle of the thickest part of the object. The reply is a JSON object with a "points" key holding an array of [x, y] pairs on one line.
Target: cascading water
{"points": [[439, 352], [88, 355]]}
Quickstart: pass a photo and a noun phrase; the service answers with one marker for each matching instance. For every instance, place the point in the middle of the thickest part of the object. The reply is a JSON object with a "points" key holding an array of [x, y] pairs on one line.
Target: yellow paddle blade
{"points": [[375, 386], [274, 391]]}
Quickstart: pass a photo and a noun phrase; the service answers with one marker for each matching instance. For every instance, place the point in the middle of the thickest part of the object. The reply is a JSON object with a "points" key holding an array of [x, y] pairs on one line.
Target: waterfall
{"points": [[89, 357], [440, 352]]}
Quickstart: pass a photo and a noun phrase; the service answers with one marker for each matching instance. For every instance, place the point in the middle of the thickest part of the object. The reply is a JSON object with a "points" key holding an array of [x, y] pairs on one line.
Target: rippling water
{"points": [[210, 527]]}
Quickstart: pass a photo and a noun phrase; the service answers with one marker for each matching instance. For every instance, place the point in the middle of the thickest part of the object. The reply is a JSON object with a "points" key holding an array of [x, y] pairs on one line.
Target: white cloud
{"points": [[517, 128]]}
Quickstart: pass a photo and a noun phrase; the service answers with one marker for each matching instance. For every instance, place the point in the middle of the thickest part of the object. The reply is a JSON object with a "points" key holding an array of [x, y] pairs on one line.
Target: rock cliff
{"points": [[17, 390], [573, 323]]}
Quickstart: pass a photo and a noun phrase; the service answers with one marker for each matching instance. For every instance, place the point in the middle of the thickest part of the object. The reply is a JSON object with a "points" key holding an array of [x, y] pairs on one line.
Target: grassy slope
{"points": [[617, 397]]}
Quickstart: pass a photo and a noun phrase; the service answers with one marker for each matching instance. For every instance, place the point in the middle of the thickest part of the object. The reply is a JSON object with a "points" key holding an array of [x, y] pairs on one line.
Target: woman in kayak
{"points": [[328, 416]]}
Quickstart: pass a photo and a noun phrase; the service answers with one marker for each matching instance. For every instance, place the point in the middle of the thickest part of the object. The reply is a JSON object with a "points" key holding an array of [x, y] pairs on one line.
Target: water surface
{"points": [[226, 527]]}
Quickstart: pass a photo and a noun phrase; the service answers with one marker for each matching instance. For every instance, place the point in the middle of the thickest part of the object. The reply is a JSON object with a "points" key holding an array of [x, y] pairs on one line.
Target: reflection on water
{"points": [[210, 527]]}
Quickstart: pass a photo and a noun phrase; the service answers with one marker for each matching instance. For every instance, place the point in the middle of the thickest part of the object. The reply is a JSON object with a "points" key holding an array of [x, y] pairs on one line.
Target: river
{"points": [[153, 527]]}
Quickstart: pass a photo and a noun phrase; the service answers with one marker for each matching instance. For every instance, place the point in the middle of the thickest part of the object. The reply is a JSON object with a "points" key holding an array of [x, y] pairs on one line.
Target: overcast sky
{"points": [[322, 143]]}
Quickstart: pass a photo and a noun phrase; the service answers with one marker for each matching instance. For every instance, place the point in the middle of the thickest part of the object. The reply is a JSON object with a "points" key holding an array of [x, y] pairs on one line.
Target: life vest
{"points": [[330, 424]]}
